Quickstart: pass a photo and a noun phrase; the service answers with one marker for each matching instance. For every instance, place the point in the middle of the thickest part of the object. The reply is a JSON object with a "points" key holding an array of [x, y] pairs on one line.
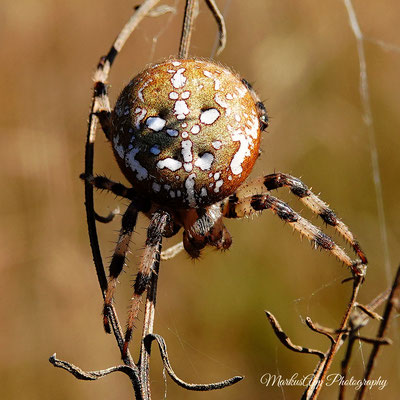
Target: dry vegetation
{"points": [[303, 61]]}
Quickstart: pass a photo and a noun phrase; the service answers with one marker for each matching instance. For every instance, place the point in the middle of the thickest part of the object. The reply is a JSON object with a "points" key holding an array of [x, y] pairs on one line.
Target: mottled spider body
{"points": [[186, 133]]}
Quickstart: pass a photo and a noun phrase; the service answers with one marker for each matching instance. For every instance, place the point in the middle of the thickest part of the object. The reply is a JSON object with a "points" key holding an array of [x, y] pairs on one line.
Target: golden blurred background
{"points": [[301, 57]]}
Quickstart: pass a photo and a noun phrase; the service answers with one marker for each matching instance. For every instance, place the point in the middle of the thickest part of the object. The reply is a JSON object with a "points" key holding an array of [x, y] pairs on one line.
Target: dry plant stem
{"points": [[358, 320], [189, 386], [285, 340], [221, 25], [187, 28], [392, 303], [323, 368], [149, 312], [95, 375]]}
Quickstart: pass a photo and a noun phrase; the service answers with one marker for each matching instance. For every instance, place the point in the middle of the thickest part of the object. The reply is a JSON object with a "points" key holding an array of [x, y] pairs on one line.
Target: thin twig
{"points": [[391, 304], [358, 320], [319, 378], [285, 340], [187, 28], [319, 329], [221, 25], [190, 386], [95, 375], [148, 324]]}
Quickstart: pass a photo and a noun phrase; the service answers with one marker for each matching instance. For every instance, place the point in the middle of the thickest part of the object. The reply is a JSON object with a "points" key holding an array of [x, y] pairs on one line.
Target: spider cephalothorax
{"points": [[186, 132]]}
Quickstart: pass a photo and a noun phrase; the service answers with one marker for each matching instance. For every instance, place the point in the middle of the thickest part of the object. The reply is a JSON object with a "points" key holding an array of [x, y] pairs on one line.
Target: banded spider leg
{"points": [[247, 200]]}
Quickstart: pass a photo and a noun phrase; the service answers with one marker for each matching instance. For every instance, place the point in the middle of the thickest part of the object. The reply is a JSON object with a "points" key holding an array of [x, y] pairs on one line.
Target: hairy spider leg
{"points": [[149, 263], [118, 259], [309, 199], [235, 207], [103, 183]]}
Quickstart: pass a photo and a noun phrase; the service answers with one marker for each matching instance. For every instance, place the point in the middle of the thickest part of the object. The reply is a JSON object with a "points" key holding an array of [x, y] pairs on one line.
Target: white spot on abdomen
{"points": [[218, 184], [216, 144], [187, 150], [141, 172], [169, 163], [179, 80], [253, 130], [156, 123], [204, 162], [189, 185], [241, 154], [142, 113], [172, 132], [181, 109], [195, 129], [209, 116], [188, 167]]}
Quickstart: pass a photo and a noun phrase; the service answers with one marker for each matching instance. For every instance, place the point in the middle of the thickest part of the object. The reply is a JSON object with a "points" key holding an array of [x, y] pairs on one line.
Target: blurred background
{"points": [[301, 57]]}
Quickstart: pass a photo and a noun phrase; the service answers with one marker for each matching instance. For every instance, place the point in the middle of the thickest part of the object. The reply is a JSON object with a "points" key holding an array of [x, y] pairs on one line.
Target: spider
{"points": [[186, 133]]}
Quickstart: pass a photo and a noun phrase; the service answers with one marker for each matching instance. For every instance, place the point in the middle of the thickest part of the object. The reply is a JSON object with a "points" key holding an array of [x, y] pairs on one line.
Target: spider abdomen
{"points": [[186, 133]]}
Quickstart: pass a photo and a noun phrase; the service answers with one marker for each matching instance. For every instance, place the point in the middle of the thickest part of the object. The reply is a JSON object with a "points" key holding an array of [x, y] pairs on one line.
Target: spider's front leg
{"points": [[103, 183], [160, 225], [309, 199], [237, 206], [118, 260]]}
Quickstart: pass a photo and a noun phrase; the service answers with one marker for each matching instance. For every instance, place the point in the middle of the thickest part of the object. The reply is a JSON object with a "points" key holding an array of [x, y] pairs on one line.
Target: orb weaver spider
{"points": [[186, 133]]}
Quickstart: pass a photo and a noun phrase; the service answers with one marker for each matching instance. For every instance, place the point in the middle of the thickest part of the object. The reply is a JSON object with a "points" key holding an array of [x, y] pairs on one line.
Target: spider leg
{"points": [[101, 103], [149, 263], [233, 207], [110, 217], [118, 259], [101, 182], [310, 200]]}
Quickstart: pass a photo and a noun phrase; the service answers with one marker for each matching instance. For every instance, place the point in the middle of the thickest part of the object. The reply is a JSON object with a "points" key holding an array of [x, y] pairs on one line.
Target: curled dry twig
{"points": [[326, 358], [356, 317], [134, 372]]}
